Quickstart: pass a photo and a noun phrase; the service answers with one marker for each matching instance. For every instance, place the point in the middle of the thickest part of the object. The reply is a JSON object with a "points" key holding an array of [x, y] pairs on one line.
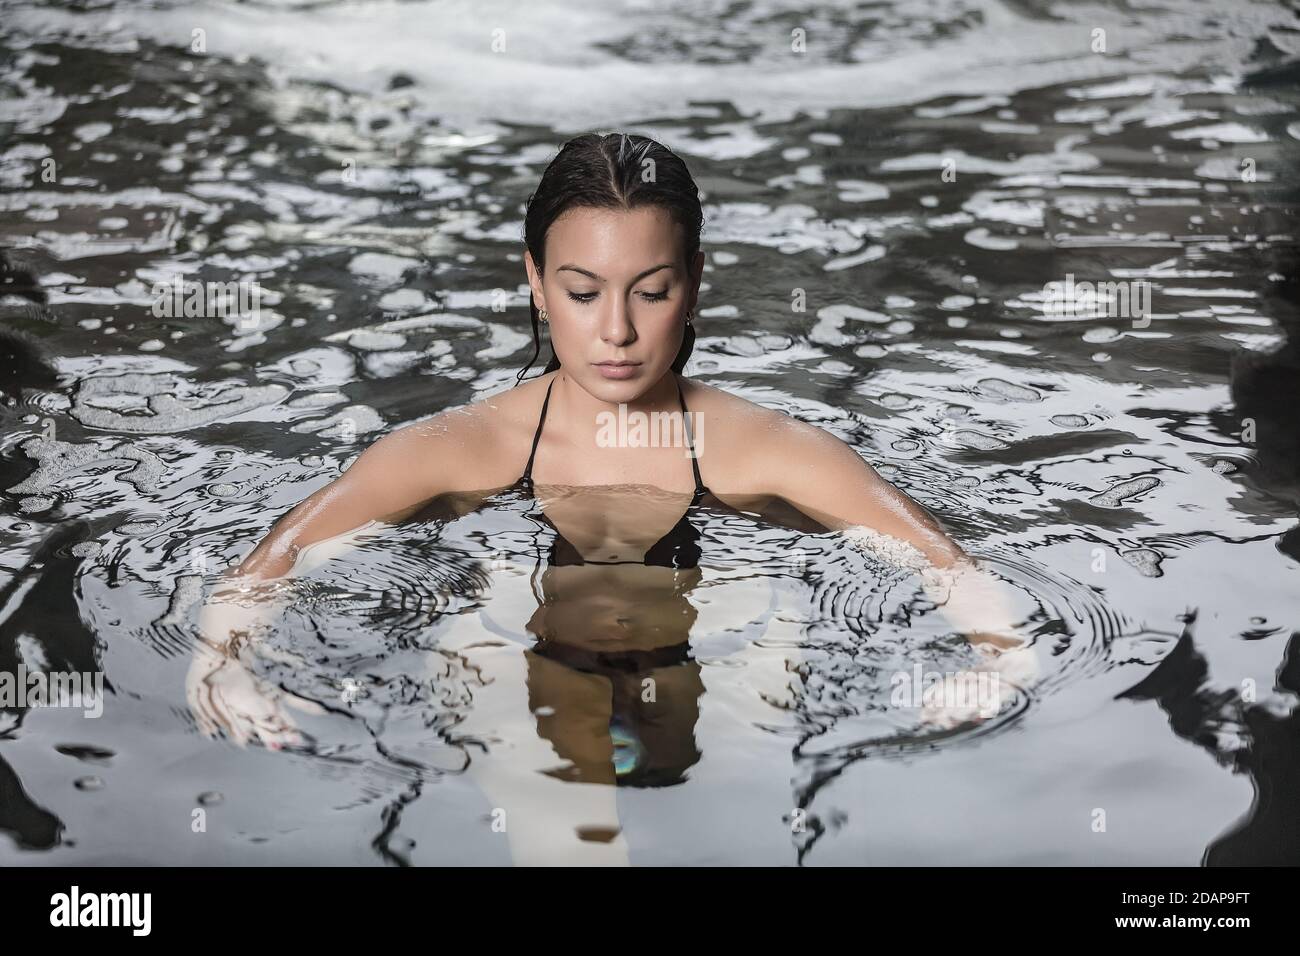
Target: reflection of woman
{"points": [[614, 264], [611, 678]]}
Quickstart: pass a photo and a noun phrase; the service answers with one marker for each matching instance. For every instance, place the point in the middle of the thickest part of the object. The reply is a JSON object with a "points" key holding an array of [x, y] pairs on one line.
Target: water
{"points": [[1133, 478]]}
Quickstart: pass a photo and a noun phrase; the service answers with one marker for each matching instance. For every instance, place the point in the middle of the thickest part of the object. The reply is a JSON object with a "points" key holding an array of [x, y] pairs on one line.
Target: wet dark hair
{"points": [[607, 172]]}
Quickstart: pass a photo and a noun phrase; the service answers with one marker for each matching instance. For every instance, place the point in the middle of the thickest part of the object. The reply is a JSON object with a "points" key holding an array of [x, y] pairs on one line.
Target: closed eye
{"points": [[589, 296]]}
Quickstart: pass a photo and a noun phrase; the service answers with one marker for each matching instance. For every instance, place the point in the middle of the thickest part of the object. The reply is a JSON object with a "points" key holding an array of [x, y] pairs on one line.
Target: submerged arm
{"points": [[389, 480], [827, 480]]}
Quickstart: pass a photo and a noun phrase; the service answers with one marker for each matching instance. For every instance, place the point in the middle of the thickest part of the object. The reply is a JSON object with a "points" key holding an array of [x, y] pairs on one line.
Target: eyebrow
{"points": [[572, 268]]}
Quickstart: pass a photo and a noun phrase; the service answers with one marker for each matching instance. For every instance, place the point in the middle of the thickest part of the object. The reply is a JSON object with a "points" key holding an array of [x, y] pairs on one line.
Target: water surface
{"points": [[1134, 482]]}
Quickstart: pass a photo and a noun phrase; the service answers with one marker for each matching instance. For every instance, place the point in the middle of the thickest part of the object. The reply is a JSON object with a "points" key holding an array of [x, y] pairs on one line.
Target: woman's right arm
{"points": [[390, 480]]}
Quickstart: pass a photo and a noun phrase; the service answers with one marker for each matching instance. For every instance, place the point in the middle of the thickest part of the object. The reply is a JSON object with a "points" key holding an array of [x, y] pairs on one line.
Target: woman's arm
{"points": [[826, 479], [389, 480]]}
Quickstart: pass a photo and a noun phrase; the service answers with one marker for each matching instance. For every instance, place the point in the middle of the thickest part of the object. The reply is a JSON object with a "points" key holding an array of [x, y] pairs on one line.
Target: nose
{"points": [[616, 329]]}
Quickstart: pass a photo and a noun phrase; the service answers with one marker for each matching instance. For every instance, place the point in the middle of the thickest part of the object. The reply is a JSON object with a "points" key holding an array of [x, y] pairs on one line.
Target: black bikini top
{"points": [[679, 548]]}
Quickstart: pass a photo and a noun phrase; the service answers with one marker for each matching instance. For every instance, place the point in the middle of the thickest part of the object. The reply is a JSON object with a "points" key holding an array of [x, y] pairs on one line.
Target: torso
{"points": [[504, 425]]}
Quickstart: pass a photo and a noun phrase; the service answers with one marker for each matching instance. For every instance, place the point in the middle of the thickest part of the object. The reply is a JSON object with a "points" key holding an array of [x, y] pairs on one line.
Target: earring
{"points": [[543, 315], [690, 315]]}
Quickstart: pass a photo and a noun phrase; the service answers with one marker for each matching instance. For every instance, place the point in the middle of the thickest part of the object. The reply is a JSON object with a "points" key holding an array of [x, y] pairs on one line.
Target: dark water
{"points": [[1135, 478]]}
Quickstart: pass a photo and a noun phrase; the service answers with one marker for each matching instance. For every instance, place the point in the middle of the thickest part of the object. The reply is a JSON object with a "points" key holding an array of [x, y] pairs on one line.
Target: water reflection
{"points": [[1103, 466]]}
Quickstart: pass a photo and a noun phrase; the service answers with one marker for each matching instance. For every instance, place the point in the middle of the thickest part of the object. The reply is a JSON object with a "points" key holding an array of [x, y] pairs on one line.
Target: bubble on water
{"points": [[1145, 560], [723, 258], [35, 503], [405, 300], [965, 438], [775, 342], [744, 345], [58, 459], [172, 403], [210, 798], [965, 481], [954, 302], [86, 549], [1224, 467], [89, 132], [369, 340], [1101, 334], [1101, 356], [1001, 390], [317, 400], [138, 527], [901, 327], [905, 444], [152, 345], [223, 489], [1069, 421], [311, 461], [88, 783], [871, 351], [381, 265], [894, 400], [1115, 496], [981, 238], [831, 319], [362, 419], [21, 526], [857, 190]]}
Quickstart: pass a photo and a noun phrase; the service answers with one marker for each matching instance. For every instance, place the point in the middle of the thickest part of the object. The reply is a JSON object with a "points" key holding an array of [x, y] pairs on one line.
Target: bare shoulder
{"points": [[748, 446], [478, 446]]}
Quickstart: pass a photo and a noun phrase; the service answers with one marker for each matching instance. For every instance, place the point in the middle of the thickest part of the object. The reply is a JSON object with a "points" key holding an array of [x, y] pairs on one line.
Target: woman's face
{"points": [[616, 289]]}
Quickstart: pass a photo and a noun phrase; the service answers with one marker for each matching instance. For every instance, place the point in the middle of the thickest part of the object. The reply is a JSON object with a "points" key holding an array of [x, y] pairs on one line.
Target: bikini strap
{"points": [[700, 489], [527, 477]]}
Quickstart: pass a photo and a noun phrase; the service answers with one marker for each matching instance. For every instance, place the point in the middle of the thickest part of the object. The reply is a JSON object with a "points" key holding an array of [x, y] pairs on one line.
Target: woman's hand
{"points": [[981, 692], [224, 695], [223, 692]]}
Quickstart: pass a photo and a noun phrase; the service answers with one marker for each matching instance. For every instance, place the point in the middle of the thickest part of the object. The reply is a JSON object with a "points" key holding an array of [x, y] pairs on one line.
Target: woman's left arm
{"points": [[827, 480]]}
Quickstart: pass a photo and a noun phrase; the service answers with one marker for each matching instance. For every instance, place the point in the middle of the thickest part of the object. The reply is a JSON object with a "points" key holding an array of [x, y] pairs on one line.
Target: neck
{"points": [[578, 408]]}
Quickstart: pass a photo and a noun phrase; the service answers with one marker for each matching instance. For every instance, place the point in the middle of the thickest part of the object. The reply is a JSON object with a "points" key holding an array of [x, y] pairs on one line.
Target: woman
{"points": [[614, 264]]}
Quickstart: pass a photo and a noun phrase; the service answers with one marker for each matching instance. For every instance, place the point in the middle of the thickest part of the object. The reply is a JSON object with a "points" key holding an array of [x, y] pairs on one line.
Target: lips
{"points": [[617, 370]]}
